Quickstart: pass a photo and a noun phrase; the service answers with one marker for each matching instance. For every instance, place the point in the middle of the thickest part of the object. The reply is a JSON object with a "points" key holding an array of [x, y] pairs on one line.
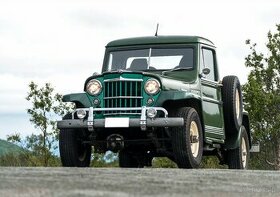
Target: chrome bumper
{"points": [[143, 122]]}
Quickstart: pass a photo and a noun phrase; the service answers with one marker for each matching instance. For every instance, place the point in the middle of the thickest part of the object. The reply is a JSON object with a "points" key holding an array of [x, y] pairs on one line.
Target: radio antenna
{"points": [[156, 34]]}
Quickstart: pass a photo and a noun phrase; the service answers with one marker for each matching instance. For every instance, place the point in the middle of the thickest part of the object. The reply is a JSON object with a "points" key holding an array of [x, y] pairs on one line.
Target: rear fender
{"points": [[246, 123], [233, 140]]}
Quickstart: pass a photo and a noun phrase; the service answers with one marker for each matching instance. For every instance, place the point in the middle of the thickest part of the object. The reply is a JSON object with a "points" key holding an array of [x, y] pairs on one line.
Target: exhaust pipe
{"points": [[115, 142]]}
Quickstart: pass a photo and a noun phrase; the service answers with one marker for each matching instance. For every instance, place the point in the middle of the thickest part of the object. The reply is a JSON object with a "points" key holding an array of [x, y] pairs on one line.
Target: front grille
{"points": [[122, 93]]}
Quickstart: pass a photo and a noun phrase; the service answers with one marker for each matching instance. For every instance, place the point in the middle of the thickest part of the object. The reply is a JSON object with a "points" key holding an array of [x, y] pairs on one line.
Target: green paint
{"points": [[181, 85], [159, 40]]}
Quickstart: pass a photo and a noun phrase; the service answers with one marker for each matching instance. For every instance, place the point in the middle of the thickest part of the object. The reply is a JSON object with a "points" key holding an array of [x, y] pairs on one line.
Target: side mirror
{"points": [[206, 71]]}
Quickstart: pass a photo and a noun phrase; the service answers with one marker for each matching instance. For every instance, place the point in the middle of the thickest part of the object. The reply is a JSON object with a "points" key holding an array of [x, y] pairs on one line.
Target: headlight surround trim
{"points": [[94, 87], [152, 86]]}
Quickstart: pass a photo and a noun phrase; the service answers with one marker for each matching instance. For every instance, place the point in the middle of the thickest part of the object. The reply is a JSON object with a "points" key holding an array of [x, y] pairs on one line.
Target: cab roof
{"points": [[150, 40]]}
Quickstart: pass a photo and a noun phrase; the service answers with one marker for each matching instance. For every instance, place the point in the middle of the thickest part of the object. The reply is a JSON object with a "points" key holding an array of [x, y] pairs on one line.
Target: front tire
{"points": [[238, 158], [73, 152], [187, 141]]}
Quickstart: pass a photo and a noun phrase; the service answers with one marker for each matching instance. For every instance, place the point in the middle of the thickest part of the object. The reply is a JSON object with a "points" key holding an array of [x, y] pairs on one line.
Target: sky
{"points": [[63, 42]]}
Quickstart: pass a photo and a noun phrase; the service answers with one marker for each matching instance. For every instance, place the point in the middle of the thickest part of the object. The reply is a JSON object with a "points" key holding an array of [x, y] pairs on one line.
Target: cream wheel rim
{"points": [[194, 138], [244, 153], [237, 104]]}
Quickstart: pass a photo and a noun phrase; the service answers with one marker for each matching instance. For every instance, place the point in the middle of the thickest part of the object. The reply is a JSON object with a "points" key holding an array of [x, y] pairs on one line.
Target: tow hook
{"points": [[115, 142]]}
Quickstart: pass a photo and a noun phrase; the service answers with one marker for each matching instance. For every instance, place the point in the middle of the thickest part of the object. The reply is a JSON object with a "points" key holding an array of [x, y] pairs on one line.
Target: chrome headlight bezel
{"points": [[152, 87], [81, 113], [94, 87]]}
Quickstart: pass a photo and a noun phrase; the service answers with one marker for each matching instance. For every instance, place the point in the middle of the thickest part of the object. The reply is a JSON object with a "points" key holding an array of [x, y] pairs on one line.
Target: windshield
{"points": [[151, 59]]}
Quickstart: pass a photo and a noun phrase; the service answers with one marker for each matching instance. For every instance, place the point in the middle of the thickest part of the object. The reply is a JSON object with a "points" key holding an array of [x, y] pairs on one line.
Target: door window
{"points": [[209, 62]]}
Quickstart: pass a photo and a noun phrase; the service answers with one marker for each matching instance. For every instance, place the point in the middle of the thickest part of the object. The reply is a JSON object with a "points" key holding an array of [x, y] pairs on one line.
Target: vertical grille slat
{"points": [[122, 93]]}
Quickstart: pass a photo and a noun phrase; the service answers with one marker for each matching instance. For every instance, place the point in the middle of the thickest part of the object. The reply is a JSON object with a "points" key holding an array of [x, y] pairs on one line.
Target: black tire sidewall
{"points": [[71, 149], [181, 139], [230, 85], [244, 136], [193, 116], [238, 121], [127, 160], [234, 156]]}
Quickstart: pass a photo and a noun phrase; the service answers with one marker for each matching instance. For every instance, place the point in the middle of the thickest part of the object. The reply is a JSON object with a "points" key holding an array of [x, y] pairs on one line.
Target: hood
{"points": [[169, 81]]}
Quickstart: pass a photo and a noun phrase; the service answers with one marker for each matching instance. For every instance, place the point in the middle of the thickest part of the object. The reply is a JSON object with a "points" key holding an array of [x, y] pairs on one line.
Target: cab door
{"points": [[211, 96]]}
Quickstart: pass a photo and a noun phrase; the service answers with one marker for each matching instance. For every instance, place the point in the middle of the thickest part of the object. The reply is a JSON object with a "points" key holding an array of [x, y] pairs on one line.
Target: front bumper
{"points": [[143, 122]]}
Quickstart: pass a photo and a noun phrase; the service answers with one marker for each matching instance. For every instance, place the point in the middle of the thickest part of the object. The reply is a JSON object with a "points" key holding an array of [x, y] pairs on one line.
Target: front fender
{"points": [[176, 95], [81, 100]]}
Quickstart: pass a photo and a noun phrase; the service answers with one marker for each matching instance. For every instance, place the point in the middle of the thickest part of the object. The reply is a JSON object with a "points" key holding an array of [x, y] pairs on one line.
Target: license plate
{"points": [[116, 122]]}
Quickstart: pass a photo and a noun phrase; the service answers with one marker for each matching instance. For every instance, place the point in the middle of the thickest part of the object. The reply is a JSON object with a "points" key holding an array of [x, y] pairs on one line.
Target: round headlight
{"points": [[151, 112], [81, 113], [94, 87], [152, 86]]}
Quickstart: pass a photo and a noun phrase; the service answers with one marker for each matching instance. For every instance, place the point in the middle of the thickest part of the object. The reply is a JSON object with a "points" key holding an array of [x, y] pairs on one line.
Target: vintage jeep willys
{"points": [[158, 96]]}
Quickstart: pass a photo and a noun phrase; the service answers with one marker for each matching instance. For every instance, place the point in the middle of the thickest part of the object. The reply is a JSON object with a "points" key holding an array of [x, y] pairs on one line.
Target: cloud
{"points": [[63, 42]]}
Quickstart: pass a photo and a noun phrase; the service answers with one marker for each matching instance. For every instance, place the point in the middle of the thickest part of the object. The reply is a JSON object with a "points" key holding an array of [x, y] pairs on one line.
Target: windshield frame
{"points": [[163, 46]]}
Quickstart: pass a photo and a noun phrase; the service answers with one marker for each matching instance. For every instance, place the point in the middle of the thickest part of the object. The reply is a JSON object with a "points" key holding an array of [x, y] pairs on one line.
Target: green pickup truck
{"points": [[158, 96]]}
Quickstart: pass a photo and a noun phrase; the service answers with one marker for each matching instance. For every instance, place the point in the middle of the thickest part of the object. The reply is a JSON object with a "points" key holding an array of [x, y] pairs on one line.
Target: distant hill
{"points": [[7, 147]]}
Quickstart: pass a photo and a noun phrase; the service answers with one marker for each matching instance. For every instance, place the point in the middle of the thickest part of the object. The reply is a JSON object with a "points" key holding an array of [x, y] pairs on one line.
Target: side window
{"points": [[209, 62]]}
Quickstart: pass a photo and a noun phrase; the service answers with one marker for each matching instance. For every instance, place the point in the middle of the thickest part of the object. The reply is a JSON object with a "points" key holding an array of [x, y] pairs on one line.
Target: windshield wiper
{"points": [[176, 69]]}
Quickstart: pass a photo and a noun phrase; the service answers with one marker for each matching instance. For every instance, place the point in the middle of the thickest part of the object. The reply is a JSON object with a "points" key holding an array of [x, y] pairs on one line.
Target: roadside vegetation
{"points": [[262, 98], [262, 101]]}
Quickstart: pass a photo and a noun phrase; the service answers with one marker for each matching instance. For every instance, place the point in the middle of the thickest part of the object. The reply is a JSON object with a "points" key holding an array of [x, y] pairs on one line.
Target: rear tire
{"points": [[187, 141], [238, 158], [73, 152], [232, 104], [127, 160]]}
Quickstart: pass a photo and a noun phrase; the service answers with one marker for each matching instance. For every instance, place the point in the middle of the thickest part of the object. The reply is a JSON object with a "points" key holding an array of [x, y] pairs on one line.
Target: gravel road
{"points": [[136, 182]]}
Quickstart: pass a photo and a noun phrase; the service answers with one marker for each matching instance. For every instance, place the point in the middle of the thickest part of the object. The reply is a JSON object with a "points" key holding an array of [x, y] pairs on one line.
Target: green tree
{"points": [[15, 139], [28, 155], [47, 106], [262, 100]]}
